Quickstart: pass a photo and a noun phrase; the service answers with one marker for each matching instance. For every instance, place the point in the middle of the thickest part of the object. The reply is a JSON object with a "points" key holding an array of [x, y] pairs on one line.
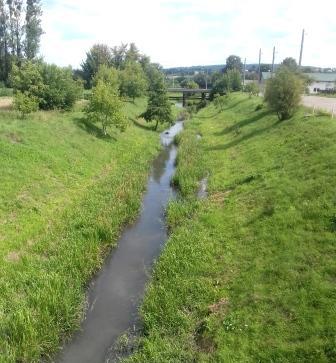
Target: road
{"points": [[323, 103]]}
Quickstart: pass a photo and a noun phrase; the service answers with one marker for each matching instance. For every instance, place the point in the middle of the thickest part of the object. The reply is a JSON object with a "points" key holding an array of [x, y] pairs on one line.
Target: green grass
{"points": [[248, 275], [65, 194]]}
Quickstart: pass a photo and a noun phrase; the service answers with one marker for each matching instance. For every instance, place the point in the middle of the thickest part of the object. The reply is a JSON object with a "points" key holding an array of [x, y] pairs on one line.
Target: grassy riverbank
{"points": [[65, 194], [248, 275]]}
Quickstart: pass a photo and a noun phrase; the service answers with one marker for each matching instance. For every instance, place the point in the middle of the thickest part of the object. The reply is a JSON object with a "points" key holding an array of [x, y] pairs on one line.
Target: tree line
{"points": [[20, 33], [120, 73]]}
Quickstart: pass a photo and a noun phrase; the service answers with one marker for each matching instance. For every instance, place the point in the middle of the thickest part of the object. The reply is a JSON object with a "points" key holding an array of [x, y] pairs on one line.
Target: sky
{"points": [[191, 32]]}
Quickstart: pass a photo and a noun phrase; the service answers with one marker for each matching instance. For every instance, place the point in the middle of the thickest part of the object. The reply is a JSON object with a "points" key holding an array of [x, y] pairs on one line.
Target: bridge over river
{"points": [[185, 94]]}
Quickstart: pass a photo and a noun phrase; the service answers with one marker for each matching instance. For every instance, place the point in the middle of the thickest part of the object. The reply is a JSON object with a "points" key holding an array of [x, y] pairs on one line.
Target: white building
{"points": [[320, 81]]}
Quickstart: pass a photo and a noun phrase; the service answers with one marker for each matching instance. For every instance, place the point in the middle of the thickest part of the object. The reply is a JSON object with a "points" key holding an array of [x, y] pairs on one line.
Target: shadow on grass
{"points": [[92, 129], [243, 123], [208, 116], [244, 138], [141, 126], [235, 104]]}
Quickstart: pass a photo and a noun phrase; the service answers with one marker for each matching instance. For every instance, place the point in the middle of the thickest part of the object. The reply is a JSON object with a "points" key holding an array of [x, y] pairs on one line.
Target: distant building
{"points": [[321, 82]]}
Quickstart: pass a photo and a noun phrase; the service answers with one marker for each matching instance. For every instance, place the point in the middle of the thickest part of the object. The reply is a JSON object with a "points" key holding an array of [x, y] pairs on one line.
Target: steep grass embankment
{"points": [[248, 275], [65, 194]]}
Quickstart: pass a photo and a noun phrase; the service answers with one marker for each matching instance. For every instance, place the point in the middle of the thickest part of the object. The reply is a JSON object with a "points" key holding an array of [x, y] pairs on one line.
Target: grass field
{"points": [[65, 194], [248, 274]]}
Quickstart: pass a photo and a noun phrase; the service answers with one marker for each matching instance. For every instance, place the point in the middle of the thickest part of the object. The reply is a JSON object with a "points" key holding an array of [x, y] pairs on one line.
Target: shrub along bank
{"points": [[248, 274]]}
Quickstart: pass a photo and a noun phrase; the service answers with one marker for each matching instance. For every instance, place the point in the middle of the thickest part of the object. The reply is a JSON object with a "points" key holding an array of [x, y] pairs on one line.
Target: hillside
{"points": [[248, 274], [65, 194]]}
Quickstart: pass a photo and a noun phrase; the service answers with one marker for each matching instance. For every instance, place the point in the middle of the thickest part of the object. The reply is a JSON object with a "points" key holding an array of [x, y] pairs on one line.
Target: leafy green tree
{"points": [[27, 79], [283, 92], [159, 107], [108, 75], [290, 63], [118, 55], [106, 108], [133, 81], [33, 28], [235, 80], [221, 85], [53, 86], [189, 83], [234, 62], [202, 79], [25, 103], [60, 89], [132, 54], [98, 55]]}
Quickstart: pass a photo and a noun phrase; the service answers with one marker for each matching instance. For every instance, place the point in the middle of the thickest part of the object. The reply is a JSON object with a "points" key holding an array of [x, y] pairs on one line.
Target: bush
{"points": [[106, 107], [220, 101], [52, 86], [25, 104], [252, 89], [283, 92], [6, 92]]}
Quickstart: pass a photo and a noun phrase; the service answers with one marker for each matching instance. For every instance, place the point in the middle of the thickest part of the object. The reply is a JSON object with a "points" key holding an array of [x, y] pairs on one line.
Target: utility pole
{"points": [[273, 61], [259, 69], [206, 79], [301, 50], [244, 73]]}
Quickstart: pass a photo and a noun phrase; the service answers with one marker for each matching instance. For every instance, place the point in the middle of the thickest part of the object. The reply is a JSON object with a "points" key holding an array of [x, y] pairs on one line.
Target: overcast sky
{"points": [[192, 32]]}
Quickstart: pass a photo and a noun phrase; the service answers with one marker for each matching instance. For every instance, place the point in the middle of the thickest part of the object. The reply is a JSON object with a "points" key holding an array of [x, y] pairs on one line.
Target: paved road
{"points": [[324, 103]]}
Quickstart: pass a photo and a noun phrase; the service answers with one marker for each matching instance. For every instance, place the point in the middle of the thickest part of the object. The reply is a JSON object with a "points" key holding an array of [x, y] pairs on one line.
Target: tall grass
{"points": [[248, 275], [65, 194]]}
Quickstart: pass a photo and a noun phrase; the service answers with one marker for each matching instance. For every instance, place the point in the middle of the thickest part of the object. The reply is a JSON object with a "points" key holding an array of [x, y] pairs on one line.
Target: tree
{"points": [[234, 62], [33, 28], [53, 86], [283, 92], [16, 27], [132, 54], [106, 107], [235, 81], [133, 81], [98, 55], [118, 56], [25, 103], [290, 63], [108, 75], [189, 83], [252, 89], [201, 79], [159, 107], [5, 62], [221, 85]]}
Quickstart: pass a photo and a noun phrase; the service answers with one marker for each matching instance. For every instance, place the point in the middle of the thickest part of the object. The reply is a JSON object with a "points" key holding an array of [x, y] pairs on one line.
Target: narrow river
{"points": [[115, 294]]}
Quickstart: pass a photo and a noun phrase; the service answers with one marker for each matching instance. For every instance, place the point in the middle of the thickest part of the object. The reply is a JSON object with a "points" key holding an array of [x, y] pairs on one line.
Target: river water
{"points": [[116, 293]]}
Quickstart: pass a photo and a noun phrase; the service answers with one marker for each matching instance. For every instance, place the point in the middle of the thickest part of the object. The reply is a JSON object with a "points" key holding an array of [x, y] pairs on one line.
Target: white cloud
{"points": [[189, 32]]}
